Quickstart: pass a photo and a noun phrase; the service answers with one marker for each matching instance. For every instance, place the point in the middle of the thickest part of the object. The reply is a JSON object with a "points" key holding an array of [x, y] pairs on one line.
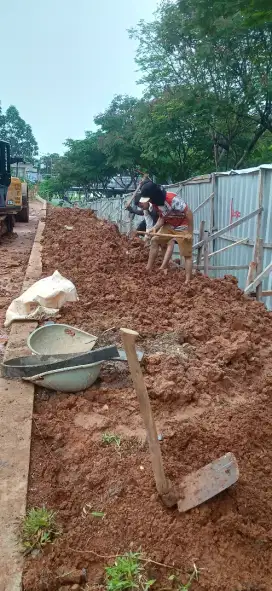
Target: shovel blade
{"points": [[123, 355], [202, 485]]}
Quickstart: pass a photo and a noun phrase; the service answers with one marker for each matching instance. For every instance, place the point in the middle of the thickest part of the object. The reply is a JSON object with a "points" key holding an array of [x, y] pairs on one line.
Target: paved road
{"points": [[14, 254], [16, 403]]}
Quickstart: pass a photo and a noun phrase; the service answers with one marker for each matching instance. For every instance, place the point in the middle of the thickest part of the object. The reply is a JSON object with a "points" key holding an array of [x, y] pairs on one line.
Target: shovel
{"points": [[197, 487]]}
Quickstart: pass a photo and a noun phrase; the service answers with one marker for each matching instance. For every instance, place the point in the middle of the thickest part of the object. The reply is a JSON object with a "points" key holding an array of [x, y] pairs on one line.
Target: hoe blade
{"points": [[208, 482]]}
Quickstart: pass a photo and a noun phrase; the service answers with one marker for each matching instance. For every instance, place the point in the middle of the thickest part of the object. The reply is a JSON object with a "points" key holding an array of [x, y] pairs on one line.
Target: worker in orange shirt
{"points": [[175, 219]]}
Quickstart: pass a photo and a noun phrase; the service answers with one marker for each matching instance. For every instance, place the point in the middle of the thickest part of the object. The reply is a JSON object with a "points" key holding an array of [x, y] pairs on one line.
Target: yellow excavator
{"points": [[14, 201]]}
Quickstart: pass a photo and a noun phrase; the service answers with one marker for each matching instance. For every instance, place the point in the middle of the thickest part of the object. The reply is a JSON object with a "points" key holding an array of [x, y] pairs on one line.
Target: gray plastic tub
{"points": [[57, 339], [26, 367], [71, 379]]}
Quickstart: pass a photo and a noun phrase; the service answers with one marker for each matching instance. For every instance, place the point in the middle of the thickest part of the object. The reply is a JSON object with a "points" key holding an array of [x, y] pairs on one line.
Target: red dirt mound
{"points": [[208, 371]]}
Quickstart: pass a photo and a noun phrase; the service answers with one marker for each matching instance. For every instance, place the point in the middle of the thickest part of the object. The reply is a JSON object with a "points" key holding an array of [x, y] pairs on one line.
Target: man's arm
{"points": [[157, 226], [135, 209]]}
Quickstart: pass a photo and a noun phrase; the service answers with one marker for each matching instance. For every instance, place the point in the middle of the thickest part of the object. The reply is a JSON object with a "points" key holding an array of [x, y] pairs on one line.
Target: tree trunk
{"points": [[258, 133]]}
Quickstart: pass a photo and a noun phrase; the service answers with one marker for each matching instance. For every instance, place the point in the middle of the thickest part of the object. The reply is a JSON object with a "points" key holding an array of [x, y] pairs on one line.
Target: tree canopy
{"points": [[18, 133], [219, 54], [207, 103]]}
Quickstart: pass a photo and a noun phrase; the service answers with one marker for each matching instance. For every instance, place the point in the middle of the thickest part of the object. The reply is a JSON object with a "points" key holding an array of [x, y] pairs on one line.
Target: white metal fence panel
{"points": [[237, 255], [195, 195], [114, 210], [235, 196]]}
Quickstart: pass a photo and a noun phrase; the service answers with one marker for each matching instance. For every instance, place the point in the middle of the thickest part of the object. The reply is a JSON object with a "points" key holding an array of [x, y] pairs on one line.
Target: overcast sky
{"points": [[64, 60]]}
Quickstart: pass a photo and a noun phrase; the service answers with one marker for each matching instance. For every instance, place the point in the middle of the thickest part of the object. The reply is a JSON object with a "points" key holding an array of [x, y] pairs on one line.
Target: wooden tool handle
{"points": [[170, 236], [163, 485], [135, 192]]}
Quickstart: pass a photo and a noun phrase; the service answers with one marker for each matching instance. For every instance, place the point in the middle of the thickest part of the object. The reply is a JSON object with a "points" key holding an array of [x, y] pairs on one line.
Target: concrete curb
{"points": [[38, 198], [16, 408]]}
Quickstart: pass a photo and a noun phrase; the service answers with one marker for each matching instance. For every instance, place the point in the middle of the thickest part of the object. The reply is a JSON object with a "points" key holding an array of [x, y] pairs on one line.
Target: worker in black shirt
{"points": [[150, 215]]}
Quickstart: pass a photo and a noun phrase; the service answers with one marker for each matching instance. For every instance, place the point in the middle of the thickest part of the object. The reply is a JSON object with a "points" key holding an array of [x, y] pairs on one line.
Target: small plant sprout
{"points": [[38, 528], [87, 510], [194, 576], [128, 573], [98, 514], [111, 438]]}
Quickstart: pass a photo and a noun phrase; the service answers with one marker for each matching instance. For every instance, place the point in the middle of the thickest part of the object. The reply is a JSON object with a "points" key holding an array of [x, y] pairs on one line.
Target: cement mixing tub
{"points": [[71, 379], [32, 365], [53, 339]]}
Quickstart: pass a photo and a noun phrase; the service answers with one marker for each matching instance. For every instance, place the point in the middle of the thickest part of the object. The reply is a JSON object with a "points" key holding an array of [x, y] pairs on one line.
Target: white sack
{"points": [[44, 298]]}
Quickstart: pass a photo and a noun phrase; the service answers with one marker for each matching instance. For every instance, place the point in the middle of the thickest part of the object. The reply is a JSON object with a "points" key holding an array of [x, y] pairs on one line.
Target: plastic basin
{"points": [[54, 339], [32, 365], [70, 379]]}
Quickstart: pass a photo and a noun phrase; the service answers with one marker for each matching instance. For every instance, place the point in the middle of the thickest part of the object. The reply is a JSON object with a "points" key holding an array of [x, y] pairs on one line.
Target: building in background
{"points": [[27, 172]]}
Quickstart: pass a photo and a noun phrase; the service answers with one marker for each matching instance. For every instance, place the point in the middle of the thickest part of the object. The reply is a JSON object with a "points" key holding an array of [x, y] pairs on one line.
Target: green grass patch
{"points": [[39, 528], [127, 573]]}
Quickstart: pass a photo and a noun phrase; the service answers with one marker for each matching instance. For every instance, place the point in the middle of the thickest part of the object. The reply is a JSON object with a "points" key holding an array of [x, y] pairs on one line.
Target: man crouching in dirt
{"points": [[175, 219]]}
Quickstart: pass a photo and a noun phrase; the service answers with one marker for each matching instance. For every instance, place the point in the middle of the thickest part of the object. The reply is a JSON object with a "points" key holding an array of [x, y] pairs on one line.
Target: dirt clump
{"points": [[209, 375]]}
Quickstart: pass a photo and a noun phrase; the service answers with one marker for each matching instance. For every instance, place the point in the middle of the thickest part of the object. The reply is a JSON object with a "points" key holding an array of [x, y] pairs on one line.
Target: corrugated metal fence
{"points": [[220, 199], [113, 209]]}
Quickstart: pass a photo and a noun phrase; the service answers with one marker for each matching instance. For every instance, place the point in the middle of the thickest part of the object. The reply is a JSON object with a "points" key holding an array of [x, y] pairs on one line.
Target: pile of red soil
{"points": [[209, 374]]}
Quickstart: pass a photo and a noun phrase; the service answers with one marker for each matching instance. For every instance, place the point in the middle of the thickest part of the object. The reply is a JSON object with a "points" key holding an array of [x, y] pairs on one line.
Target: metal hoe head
{"points": [[202, 485]]}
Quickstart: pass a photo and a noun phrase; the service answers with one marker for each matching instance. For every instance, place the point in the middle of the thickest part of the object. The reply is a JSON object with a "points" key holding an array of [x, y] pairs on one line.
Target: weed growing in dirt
{"points": [[109, 438], [87, 510], [127, 573], [193, 577], [98, 514], [38, 528]]}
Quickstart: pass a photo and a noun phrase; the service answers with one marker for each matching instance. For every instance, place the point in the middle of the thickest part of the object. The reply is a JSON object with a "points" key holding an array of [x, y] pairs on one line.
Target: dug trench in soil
{"points": [[209, 375]]}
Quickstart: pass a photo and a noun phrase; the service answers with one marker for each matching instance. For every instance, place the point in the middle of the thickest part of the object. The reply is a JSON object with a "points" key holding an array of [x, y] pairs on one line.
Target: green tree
{"points": [[254, 12], [207, 71], [227, 63], [119, 126], [2, 122], [19, 134], [53, 186], [174, 137], [84, 164], [47, 163]]}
